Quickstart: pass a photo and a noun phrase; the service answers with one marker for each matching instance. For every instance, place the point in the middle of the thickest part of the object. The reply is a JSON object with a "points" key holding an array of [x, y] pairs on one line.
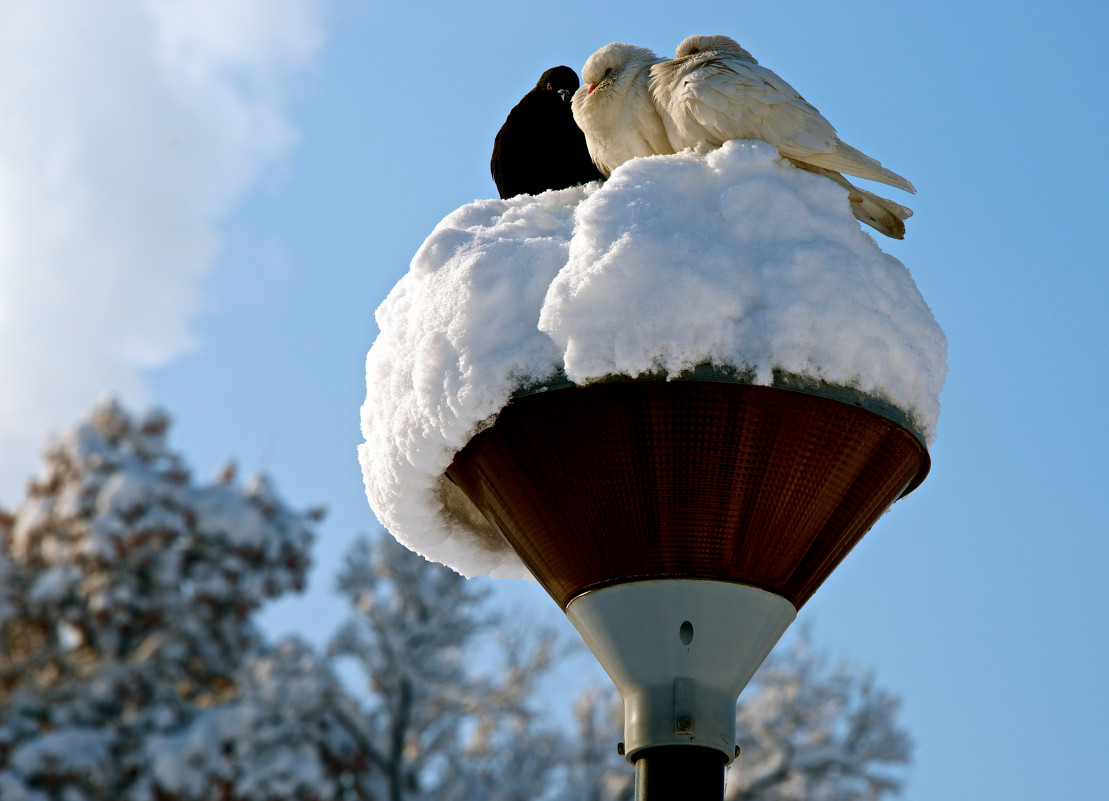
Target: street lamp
{"points": [[748, 382]]}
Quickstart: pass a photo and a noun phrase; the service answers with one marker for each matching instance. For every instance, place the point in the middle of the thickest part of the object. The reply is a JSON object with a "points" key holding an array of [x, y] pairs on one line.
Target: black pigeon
{"points": [[540, 147]]}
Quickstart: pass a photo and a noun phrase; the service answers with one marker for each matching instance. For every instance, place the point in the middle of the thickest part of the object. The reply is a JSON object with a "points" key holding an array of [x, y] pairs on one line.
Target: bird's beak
{"points": [[589, 89], [564, 94]]}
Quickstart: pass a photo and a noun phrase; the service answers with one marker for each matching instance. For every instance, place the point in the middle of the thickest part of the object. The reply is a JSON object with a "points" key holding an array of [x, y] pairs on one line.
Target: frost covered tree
{"points": [[813, 731], [130, 668], [285, 736], [808, 731], [435, 725]]}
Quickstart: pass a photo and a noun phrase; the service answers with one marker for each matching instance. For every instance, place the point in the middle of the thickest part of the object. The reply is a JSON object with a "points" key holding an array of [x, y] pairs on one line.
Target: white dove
{"points": [[614, 109], [714, 90]]}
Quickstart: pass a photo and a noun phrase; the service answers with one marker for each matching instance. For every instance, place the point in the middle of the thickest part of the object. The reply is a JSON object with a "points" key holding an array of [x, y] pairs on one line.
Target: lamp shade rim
{"points": [[781, 379]]}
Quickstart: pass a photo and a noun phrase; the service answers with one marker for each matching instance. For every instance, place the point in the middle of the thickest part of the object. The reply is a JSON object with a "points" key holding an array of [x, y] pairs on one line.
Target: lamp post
{"points": [[681, 525]]}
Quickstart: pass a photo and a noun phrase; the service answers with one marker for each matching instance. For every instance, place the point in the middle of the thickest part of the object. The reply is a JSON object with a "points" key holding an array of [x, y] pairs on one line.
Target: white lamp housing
{"points": [[680, 651]]}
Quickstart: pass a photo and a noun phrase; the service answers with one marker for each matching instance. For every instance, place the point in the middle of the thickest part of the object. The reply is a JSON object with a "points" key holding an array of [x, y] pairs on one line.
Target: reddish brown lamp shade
{"points": [[631, 480]]}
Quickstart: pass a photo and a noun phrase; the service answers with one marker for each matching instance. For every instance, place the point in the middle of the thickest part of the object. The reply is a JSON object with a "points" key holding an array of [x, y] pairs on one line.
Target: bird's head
{"points": [[614, 109], [606, 67], [562, 80], [725, 45]]}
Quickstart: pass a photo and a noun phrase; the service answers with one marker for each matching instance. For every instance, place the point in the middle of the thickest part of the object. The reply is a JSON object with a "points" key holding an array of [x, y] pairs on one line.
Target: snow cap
{"points": [[733, 258]]}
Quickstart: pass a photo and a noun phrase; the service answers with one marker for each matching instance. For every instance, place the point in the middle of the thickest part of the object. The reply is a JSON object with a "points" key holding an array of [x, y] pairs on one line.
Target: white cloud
{"points": [[129, 131]]}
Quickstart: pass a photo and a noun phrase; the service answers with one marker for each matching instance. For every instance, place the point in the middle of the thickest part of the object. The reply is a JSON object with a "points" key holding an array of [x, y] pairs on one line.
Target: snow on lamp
{"points": [[678, 414]]}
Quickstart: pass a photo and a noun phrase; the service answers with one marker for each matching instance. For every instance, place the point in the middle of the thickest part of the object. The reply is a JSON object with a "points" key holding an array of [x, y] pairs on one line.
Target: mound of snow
{"points": [[731, 258]]}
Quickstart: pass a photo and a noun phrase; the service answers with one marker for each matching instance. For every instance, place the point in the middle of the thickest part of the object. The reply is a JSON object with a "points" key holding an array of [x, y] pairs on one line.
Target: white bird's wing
{"points": [[716, 97]]}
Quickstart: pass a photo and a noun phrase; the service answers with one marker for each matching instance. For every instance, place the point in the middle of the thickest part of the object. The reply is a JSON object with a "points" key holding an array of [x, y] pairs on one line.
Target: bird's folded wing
{"points": [[732, 99], [724, 98], [848, 160]]}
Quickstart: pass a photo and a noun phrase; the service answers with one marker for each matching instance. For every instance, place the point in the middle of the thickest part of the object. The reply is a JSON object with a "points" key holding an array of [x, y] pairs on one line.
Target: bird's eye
{"points": [[549, 87], [608, 70]]}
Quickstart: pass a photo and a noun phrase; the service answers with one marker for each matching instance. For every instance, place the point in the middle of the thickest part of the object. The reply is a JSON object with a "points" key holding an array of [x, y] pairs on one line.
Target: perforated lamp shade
{"points": [[637, 480]]}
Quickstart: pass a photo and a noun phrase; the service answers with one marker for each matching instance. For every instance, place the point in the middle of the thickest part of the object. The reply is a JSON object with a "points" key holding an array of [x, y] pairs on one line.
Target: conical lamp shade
{"points": [[681, 525], [635, 480]]}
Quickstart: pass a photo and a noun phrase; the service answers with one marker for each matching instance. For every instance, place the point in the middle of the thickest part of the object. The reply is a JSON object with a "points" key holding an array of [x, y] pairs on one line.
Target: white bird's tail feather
{"points": [[881, 214]]}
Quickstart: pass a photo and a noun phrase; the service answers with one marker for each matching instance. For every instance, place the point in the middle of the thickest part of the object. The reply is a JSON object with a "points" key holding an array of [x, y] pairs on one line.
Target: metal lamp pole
{"points": [[679, 773]]}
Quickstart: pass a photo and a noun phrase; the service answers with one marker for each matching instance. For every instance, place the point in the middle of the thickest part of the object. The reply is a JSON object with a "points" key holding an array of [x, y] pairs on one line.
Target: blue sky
{"points": [[980, 599]]}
